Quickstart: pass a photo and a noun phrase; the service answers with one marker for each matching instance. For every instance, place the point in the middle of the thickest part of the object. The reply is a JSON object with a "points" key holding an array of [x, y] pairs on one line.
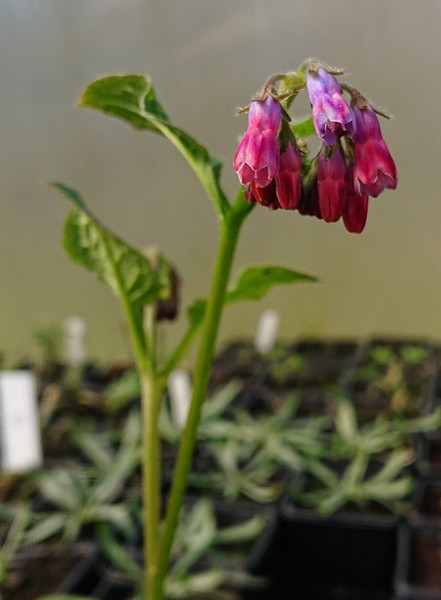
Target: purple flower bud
{"points": [[331, 114], [257, 156], [374, 168], [331, 183]]}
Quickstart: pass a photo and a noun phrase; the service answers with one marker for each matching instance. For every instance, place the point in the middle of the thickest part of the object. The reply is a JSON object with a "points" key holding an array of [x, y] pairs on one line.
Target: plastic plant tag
{"points": [[19, 425], [74, 347], [180, 389], [267, 330]]}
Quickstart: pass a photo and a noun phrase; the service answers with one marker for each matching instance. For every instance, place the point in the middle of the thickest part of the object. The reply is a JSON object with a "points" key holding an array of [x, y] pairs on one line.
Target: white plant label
{"points": [[74, 345], [180, 390], [267, 330], [19, 425]]}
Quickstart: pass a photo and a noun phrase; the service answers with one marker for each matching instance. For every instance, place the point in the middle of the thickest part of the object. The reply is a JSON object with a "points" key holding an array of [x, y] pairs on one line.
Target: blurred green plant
{"points": [[282, 362], [386, 370], [250, 456], [354, 484], [85, 495], [13, 539], [362, 465], [201, 556], [122, 391]]}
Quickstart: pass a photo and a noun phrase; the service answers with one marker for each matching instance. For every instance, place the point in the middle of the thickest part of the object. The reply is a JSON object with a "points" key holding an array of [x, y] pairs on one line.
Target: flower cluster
{"points": [[267, 160], [352, 165]]}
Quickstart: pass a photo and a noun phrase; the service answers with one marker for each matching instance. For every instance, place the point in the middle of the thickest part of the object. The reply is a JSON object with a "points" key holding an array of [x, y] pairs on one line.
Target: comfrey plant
{"points": [[275, 170]]}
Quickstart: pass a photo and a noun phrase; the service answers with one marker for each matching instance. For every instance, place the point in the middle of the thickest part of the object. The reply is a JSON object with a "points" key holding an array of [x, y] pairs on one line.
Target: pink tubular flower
{"points": [[356, 207], [286, 188], [331, 114], [374, 168], [257, 156], [288, 179], [331, 183]]}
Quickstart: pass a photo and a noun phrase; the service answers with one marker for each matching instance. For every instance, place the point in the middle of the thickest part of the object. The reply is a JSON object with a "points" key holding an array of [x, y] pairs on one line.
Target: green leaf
{"points": [[118, 554], [13, 539], [62, 487], [303, 128], [122, 390], [48, 526], [187, 585], [115, 515], [217, 404], [255, 282], [196, 312], [126, 271], [241, 532], [132, 98], [346, 422], [94, 447]]}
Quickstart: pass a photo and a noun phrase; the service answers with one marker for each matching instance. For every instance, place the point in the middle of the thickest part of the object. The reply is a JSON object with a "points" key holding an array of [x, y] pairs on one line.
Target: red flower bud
{"points": [[288, 179], [331, 184], [356, 206]]}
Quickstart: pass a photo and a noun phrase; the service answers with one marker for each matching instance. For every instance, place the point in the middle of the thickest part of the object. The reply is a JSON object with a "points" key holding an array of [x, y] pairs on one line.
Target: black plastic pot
{"points": [[347, 556], [428, 501], [418, 574], [44, 568], [110, 588], [429, 455], [85, 575]]}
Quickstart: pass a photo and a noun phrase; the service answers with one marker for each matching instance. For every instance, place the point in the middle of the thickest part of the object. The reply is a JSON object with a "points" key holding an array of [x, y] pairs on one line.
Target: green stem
{"points": [[150, 481], [230, 229], [178, 353], [143, 336], [151, 394]]}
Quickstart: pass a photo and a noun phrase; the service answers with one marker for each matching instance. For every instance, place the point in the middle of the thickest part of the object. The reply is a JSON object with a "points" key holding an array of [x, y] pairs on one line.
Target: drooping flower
{"points": [[257, 156], [354, 162], [288, 179], [331, 113], [356, 205], [374, 167], [286, 188], [331, 183]]}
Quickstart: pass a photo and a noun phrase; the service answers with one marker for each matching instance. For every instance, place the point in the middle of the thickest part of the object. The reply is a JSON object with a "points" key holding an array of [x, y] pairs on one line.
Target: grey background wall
{"points": [[206, 58]]}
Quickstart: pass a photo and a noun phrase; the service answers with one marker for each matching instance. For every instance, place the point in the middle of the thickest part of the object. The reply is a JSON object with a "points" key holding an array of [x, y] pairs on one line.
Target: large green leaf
{"points": [[252, 284], [126, 271], [132, 98], [255, 282]]}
